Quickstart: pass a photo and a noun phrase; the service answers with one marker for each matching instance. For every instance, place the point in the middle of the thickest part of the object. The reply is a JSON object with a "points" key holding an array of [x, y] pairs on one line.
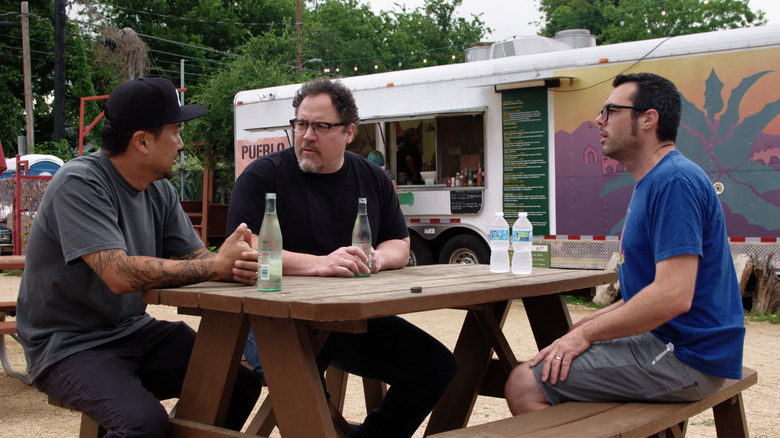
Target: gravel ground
{"points": [[24, 412]]}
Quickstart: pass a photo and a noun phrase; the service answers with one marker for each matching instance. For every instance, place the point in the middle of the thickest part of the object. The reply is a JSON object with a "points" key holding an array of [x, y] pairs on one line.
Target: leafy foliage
{"points": [[614, 21], [78, 75], [257, 67]]}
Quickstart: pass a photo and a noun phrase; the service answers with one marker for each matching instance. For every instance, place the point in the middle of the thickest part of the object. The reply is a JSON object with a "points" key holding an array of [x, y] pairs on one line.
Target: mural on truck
{"points": [[730, 127]]}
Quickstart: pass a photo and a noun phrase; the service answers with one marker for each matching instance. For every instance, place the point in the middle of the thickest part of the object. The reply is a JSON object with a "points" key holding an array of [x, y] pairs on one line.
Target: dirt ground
{"points": [[25, 413]]}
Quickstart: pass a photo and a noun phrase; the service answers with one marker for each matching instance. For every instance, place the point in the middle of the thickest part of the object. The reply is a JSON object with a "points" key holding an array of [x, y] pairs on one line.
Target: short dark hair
{"points": [[114, 142], [657, 93], [340, 96]]}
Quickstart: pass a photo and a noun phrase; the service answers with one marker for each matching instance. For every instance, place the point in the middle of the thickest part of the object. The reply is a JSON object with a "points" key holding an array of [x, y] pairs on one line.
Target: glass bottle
{"points": [[361, 232], [269, 248]]}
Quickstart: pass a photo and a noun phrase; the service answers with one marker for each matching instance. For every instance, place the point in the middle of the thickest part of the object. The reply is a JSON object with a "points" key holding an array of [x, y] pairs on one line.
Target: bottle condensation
{"points": [[269, 248], [522, 242], [361, 232], [499, 244]]}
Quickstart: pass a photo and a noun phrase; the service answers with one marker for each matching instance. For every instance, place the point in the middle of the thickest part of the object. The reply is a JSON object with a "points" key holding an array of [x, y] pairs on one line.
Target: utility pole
{"points": [[28, 101], [181, 152], [298, 43], [59, 69]]}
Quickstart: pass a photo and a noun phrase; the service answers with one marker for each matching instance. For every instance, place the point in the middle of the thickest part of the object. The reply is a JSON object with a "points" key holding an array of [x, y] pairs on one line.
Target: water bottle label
{"points": [[499, 234], [521, 236], [265, 272]]}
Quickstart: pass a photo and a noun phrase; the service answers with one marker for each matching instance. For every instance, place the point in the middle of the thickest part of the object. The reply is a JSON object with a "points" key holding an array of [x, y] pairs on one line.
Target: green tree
{"points": [[346, 35], [614, 21], [78, 75], [258, 66], [203, 33]]}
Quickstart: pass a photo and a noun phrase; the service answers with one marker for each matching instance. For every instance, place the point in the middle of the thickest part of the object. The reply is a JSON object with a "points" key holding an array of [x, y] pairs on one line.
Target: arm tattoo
{"points": [[148, 272], [104, 259], [198, 254]]}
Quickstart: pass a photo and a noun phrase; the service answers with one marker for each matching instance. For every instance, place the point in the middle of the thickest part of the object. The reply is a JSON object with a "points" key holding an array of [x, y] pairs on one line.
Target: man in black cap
{"points": [[109, 226]]}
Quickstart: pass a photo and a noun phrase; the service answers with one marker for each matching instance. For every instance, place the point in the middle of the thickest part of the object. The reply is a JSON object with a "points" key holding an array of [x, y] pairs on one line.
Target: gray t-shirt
{"points": [[63, 306]]}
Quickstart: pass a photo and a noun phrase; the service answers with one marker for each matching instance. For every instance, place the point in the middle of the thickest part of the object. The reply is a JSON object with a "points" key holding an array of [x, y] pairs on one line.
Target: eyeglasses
{"points": [[608, 108], [300, 126]]}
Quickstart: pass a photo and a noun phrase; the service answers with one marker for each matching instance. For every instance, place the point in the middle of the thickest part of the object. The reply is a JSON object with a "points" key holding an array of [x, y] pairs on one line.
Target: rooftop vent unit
{"points": [[576, 38], [526, 46]]}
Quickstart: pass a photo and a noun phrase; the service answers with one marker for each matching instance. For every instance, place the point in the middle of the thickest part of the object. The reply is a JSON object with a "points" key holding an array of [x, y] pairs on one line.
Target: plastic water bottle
{"points": [[361, 232], [499, 244], [522, 241], [269, 248]]}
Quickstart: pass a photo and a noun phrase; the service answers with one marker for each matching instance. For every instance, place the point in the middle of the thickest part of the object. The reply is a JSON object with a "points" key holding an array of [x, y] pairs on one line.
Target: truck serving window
{"points": [[365, 139], [460, 143]]}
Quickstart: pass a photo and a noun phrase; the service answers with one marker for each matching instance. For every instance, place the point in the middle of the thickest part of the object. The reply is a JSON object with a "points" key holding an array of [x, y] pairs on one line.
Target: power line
{"points": [[203, 21]]}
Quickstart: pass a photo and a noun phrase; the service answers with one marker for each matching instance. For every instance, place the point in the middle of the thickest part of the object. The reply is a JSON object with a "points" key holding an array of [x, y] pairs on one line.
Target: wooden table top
{"points": [[382, 294]]}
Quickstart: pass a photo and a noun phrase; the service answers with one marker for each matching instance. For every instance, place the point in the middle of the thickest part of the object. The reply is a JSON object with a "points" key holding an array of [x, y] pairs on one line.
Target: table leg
{"points": [[294, 384], [549, 318], [473, 354], [211, 374]]}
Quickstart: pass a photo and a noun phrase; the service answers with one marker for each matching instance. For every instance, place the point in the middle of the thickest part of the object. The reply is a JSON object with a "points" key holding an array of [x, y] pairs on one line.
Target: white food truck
{"points": [[527, 121]]}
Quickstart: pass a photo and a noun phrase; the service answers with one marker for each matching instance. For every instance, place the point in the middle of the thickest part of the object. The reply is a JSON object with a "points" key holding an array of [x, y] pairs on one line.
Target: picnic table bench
{"points": [[8, 308], [623, 420]]}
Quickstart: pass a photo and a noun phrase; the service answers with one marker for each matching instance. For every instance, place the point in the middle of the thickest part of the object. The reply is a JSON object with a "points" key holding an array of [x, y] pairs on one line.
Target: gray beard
{"points": [[309, 166]]}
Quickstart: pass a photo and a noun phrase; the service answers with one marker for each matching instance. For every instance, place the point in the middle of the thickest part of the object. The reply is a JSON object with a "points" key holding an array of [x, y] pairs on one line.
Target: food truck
{"points": [[523, 127]]}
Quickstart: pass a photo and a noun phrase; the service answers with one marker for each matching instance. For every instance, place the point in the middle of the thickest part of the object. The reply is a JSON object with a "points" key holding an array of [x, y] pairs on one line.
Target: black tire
{"points": [[466, 249], [420, 252]]}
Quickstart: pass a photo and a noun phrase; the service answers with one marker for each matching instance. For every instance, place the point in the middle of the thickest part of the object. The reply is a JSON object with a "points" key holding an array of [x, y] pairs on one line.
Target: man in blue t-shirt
{"points": [[317, 185], [679, 330]]}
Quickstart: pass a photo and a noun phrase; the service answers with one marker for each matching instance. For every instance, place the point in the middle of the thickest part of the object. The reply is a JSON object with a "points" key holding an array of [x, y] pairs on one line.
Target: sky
{"points": [[510, 18]]}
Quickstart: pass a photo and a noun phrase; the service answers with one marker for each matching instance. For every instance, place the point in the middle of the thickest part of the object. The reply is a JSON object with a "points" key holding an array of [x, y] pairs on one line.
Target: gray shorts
{"points": [[623, 370]]}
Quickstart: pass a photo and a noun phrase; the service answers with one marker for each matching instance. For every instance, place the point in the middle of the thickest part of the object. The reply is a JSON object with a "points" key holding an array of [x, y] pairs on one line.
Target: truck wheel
{"points": [[465, 249], [420, 251]]}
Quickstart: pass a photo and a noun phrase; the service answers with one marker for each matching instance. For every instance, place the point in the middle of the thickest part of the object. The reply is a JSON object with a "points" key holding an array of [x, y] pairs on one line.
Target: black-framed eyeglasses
{"points": [[300, 126], [604, 113]]}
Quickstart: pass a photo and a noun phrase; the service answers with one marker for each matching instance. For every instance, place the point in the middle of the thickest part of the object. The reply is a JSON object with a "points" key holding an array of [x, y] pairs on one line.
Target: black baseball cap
{"points": [[145, 103]]}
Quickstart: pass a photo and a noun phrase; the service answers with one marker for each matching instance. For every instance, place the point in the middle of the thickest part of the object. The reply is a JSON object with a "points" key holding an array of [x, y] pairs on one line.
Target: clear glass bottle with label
{"points": [[269, 248], [361, 232]]}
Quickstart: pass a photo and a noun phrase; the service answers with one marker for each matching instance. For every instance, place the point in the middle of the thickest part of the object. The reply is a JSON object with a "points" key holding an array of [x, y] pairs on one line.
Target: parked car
{"points": [[6, 241]]}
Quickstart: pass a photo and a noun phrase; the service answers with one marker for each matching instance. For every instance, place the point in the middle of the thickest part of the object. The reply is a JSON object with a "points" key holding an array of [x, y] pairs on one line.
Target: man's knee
{"points": [[150, 420], [521, 391]]}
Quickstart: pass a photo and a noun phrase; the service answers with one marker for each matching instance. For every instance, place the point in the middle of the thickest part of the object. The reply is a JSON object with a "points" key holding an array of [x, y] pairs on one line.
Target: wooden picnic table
{"points": [[292, 324]]}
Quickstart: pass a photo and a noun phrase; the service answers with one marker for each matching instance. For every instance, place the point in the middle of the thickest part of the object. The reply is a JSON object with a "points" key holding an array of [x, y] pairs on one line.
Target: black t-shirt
{"points": [[409, 149], [317, 211]]}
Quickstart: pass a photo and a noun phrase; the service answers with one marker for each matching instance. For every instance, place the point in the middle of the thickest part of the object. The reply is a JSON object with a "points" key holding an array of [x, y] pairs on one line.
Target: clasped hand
{"points": [[346, 261]]}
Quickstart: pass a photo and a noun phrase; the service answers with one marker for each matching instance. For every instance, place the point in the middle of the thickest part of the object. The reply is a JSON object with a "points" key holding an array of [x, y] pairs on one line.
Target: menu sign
{"points": [[525, 131], [465, 201]]}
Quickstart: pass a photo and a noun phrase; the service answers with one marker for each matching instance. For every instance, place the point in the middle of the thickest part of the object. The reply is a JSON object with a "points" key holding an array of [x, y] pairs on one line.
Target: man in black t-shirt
{"points": [[408, 157], [318, 184]]}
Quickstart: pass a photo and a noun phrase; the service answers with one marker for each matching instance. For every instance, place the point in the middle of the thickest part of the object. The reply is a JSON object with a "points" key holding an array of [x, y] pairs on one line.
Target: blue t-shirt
{"points": [[674, 210]]}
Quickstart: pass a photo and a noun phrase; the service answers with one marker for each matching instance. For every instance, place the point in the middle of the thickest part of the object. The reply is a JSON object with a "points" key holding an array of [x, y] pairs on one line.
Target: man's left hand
{"points": [[558, 356], [245, 269]]}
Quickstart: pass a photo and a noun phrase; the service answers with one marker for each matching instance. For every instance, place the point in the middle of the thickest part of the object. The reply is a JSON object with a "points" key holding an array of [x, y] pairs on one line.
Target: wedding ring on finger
{"points": [[557, 358]]}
